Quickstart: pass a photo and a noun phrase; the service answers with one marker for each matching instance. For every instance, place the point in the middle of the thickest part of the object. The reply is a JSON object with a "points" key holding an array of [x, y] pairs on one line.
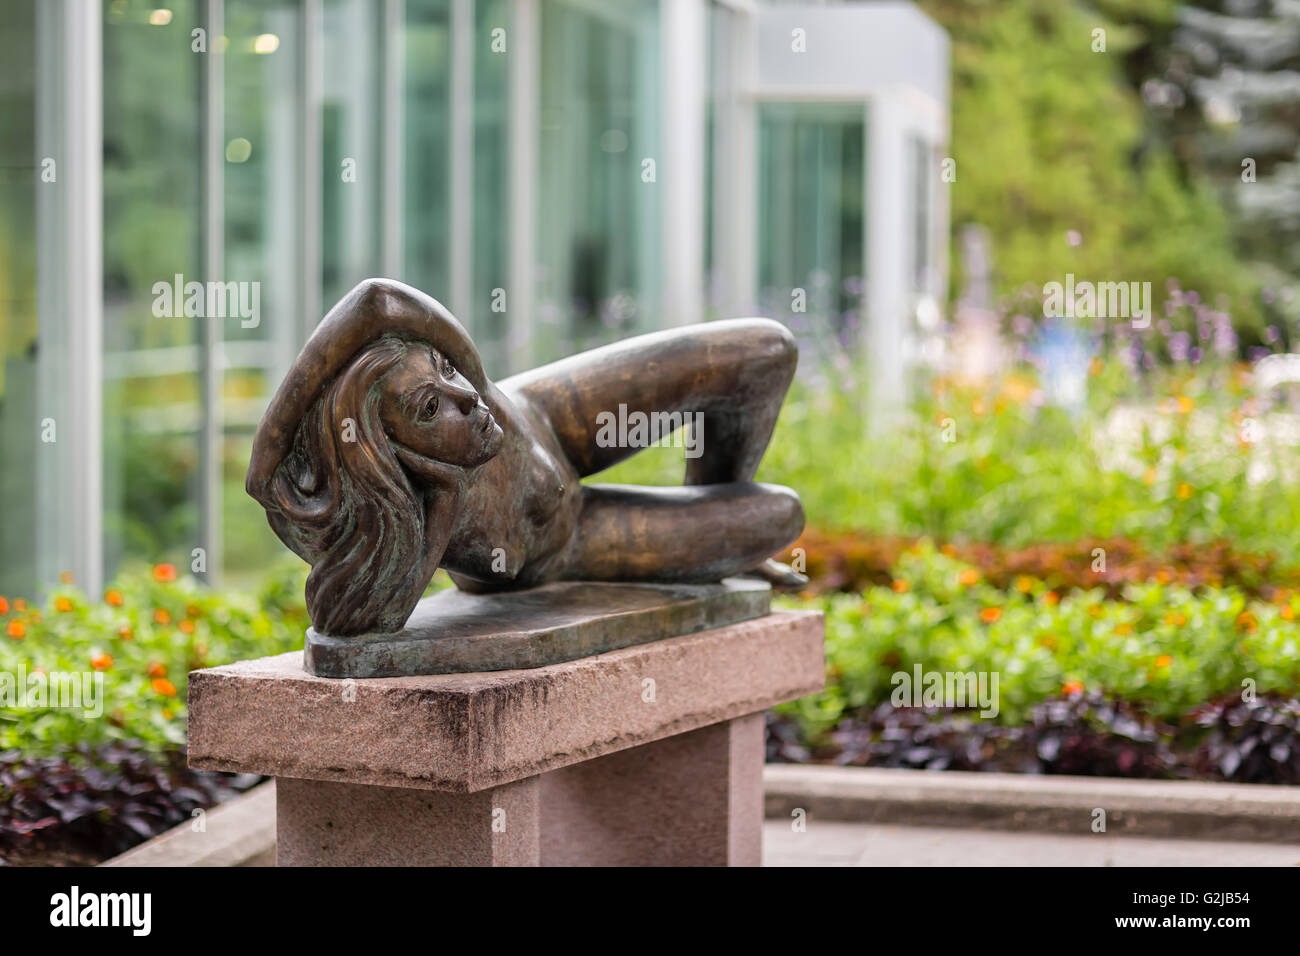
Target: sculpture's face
{"points": [[433, 410]]}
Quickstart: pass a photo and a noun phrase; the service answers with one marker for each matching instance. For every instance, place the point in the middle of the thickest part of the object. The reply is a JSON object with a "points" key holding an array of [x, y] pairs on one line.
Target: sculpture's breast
{"points": [[546, 486]]}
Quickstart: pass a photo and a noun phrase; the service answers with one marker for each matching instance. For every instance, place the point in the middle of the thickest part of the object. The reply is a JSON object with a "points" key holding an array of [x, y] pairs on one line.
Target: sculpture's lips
{"points": [[488, 422]]}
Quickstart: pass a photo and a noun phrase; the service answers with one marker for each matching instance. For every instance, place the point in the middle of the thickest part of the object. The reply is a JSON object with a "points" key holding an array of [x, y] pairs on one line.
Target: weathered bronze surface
{"points": [[387, 453], [454, 632]]}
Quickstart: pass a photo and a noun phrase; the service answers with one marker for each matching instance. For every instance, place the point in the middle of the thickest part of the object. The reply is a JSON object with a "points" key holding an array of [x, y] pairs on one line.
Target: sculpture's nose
{"points": [[465, 397]]}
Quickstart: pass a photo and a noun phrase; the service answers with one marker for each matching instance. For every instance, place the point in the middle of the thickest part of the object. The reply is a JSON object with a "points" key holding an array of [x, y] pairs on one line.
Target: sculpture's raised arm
{"points": [[374, 307]]}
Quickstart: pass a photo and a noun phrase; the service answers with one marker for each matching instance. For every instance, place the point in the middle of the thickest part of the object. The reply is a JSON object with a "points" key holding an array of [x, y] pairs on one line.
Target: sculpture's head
{"points": [[359, 457], [428, 407]]}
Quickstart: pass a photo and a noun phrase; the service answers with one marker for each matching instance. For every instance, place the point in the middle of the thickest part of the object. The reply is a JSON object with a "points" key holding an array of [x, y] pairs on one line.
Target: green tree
{"points": [[1053, 155]]}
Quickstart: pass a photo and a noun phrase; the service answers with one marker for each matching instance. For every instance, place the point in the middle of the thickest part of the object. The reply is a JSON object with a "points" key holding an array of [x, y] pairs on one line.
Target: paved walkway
{"points": [[866, 844]]}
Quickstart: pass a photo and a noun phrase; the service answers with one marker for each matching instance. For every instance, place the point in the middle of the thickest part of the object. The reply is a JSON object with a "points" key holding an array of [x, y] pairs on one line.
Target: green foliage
{"points": [[1048, 136], [1164, 647], [144, 635]]}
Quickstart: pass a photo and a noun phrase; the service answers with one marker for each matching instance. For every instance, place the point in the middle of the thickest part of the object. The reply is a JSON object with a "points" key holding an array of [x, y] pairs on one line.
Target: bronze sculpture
{"points": [[387, 452]]}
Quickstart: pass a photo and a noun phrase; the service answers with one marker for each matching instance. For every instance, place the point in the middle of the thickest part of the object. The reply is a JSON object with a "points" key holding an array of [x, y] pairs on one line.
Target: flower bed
{"points": [[129, 650], [1163, 648], [850, 562]]}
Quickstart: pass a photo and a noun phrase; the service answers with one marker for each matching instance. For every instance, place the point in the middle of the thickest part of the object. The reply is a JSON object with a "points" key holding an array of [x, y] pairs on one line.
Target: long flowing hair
{"points": [[342, 501]]}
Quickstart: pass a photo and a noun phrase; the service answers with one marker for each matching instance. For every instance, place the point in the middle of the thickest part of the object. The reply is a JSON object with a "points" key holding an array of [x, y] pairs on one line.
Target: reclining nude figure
{"points": [[387, 453]]}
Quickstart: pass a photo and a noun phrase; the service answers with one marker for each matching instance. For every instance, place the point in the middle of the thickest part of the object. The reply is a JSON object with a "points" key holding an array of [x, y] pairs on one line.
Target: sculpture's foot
{"points": [[782, 577]]}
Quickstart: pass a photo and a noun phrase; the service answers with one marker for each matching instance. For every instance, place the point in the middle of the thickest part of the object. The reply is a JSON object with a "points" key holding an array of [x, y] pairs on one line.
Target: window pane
{"points": [[598, 218], [810, 214], [426, 161], [262, 208], [151, 234], [19, 418], [350, 148], [491, 184]]}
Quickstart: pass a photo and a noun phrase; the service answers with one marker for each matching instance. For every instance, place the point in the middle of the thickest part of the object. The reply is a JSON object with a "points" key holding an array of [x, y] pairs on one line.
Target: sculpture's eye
{"points": [[430, 408], [447, 368]]}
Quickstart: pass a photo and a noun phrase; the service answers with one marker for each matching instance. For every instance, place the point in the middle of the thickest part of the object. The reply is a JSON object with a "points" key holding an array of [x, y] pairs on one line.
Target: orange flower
{"points": [[990, 614], [1024, 584], [193, 610], [101, 662], [1186, 404], [1072, 687], [1288, 613], [901, 586], [949, 549], [162, 616], [4, 605], [187, 626], [114, 597], [1124, 628], [1048, 641], [20, 604], [17, 630], [968, 577], [164, 572], [157, 669], [125, 633], [1183, 491], [1051, 598], [65, 577], [1164, 660], [1176, 618], [167, 713], [63, 605], [1247, 622], [162, 685]]}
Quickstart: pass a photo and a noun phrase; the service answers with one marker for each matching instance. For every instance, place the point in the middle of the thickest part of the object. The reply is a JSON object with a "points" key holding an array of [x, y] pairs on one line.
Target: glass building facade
{"points": [[558, 172]]}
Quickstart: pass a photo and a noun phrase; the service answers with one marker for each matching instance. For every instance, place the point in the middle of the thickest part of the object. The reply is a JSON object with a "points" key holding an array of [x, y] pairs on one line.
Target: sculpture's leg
{"points": [[734, 373], [690, 534]]}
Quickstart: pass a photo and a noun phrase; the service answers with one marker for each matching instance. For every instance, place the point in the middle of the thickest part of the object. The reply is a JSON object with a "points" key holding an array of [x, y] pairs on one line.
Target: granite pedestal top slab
{"points": [[467, 732]]}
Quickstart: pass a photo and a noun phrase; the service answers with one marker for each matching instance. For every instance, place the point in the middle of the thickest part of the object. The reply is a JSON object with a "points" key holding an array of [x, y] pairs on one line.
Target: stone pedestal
{"points": [[650, 755]]}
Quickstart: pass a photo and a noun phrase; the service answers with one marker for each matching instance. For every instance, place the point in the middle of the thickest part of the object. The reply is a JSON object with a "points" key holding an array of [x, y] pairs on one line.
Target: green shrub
{"points": [[1164, 647], [144, 634]]}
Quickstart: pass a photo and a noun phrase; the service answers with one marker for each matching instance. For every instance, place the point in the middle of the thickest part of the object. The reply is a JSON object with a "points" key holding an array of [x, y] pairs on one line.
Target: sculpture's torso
{"points": [[520, 509]]}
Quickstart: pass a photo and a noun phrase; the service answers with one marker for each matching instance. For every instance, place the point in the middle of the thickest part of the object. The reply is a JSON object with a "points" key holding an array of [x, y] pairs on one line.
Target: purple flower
{"points": [[1179, 345]]}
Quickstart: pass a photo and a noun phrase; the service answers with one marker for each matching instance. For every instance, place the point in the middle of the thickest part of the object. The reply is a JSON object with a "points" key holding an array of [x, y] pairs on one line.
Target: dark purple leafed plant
{"points": [[98, 802]]}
